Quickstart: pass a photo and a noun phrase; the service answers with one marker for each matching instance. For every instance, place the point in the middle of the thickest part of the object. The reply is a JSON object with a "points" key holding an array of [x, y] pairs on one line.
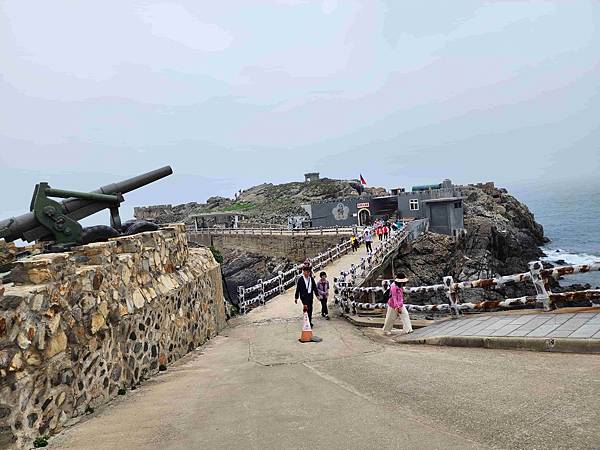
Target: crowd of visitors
{"points": [[307, 288]]}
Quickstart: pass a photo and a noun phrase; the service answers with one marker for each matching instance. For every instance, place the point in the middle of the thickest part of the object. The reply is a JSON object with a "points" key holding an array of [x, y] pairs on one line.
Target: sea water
{"points": [[570, 214]]}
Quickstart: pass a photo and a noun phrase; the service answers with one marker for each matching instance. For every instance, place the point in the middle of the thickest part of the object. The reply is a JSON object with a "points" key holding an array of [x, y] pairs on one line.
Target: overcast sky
{"points": [[234, 93]]}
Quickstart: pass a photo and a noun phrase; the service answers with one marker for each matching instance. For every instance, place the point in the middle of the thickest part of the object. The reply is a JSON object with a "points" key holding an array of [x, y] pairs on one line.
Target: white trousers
{"points": [[391, 316]]}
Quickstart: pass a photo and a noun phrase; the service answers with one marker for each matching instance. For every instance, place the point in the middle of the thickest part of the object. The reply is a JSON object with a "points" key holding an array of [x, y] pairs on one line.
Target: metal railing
{"points": [[191, 228], [537, 275]]}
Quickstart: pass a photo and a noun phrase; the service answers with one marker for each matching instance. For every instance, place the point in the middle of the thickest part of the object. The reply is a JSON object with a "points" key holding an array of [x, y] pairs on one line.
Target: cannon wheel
{"points": [[98, 233], [139, 226]]}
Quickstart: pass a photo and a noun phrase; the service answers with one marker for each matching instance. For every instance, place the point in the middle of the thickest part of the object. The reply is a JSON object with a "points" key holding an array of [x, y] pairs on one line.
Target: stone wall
{"points": [[293, 247], [78, 327]]}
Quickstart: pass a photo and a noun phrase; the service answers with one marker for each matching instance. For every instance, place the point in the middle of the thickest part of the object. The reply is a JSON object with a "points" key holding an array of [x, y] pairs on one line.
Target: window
{"points": [[458, 204], [413, 204]]}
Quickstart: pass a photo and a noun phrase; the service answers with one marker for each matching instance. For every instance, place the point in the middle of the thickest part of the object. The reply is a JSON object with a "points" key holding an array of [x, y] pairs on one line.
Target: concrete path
{"points": [[257, 387]]}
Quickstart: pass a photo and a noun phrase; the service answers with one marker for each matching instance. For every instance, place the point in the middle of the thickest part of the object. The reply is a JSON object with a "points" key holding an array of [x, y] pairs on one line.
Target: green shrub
{"points": [[41, 441], [217, 255]]}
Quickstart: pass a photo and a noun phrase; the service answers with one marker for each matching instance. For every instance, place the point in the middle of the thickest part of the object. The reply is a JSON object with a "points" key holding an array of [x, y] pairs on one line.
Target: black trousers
{"points": [[324, 309], [369, 246], [309, 306]]}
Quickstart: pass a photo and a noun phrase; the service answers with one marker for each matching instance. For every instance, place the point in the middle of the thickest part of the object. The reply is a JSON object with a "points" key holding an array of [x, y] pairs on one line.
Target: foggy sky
{"points": [[235, 93]]}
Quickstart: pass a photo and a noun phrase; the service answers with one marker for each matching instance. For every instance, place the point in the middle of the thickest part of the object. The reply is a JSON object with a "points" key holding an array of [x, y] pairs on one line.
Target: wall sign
{"points": [[362, 205]]}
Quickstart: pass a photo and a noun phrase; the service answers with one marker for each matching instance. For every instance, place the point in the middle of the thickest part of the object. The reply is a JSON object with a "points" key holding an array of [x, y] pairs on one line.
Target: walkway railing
{"points": [[191, 228], [266, 289], [537, 275]]}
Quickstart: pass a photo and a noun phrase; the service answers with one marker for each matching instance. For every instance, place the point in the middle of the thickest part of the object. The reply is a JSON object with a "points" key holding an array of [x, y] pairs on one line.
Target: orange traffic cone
{"points": [[307, 335]]}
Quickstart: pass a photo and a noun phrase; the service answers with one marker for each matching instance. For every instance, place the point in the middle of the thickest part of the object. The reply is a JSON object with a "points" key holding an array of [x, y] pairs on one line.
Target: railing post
{"points": [[281, 287], [241, 299], [261, 299], [535, 269], [452, 296]]}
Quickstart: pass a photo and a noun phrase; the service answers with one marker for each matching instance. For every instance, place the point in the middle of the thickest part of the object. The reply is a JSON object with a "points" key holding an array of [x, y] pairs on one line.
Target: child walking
{"points": [[323, 293]]}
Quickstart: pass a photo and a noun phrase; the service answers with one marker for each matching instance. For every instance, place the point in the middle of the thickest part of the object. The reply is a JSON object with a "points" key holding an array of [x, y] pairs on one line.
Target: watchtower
{"points": [[312, 176]]}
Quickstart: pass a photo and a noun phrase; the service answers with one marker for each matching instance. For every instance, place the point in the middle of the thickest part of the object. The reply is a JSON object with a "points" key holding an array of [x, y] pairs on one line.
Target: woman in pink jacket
{"points": [[396, 307]]}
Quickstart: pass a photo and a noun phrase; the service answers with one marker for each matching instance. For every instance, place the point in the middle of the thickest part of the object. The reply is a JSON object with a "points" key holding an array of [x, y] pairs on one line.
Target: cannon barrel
{"points": [[27, 227]]}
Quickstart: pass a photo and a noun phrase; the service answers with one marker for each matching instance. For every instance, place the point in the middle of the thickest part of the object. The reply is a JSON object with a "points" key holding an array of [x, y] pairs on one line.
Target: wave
{"points": [[553, 255]]}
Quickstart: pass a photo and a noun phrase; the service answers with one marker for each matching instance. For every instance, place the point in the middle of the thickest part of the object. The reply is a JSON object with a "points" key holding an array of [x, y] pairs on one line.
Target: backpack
{"points": [[386, 296]]}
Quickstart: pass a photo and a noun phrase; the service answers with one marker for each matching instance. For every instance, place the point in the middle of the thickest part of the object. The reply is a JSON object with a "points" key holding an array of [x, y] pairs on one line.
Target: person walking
{"points": [[395, 307], [306, 289], [386, 232], [323, 293], [368, 240], [353, 243]]}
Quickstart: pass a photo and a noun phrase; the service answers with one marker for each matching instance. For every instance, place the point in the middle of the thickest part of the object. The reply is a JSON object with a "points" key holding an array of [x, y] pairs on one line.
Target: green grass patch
{"points": [[217, 255], [239, 206]]}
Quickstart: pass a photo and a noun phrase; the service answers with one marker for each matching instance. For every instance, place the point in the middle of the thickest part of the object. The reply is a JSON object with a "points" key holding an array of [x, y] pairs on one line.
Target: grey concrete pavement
{"points": [[578, 325]]}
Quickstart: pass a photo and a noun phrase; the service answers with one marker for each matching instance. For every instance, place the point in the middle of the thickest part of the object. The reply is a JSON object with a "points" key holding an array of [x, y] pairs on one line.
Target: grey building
{"points": [[311, 176], [441, 203]]}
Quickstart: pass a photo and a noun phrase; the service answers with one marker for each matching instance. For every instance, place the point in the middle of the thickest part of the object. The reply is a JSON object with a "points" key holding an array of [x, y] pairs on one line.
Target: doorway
{"points": [[364, 217]]}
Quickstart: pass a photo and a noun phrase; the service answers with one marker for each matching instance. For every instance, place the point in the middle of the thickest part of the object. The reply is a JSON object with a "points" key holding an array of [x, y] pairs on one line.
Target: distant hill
{"points": [[269, 202]]}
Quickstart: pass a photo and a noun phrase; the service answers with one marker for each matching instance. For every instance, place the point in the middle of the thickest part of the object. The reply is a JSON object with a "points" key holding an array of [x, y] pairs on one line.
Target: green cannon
{"points": [[51, 220]]}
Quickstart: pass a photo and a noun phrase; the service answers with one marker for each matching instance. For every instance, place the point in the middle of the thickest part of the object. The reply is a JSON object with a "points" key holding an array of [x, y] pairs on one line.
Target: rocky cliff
{"points": [[502, 237]]}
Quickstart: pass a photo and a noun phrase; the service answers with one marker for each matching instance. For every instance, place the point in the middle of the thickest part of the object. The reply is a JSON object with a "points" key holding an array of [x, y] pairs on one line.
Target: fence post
{"points": [[281, 287], [452, 296], [535, 269], [241, 299], [261, 299]]}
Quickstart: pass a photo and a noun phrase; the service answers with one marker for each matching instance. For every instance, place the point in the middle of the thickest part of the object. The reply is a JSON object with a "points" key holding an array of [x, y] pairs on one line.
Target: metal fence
{"points": [[192, 228], [537, 275]]}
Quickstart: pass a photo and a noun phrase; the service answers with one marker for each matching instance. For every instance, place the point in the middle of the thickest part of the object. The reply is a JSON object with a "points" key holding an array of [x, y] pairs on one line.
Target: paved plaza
{"points": [[581, 325]]}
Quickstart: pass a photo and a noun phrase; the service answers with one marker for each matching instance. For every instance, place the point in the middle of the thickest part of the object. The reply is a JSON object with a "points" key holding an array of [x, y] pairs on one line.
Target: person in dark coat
{"points": [[306, 289]]}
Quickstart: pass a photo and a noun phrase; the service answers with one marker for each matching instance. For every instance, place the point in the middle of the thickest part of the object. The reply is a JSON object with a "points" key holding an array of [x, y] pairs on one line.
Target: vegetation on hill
{"points": [[270, 202]]}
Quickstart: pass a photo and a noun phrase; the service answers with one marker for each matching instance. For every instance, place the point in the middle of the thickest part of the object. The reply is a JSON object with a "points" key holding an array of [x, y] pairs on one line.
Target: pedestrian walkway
{"points": [[574, 332], [572, 325]]}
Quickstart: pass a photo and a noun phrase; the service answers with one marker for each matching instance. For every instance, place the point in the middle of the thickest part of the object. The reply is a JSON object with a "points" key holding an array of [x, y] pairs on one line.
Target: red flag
{"points": [[362, 180]]}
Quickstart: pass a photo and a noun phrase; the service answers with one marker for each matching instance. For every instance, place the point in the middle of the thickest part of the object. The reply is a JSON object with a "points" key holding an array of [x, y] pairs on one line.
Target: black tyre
{"points": [[125, 225], [98, 233], [140, 226]]}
